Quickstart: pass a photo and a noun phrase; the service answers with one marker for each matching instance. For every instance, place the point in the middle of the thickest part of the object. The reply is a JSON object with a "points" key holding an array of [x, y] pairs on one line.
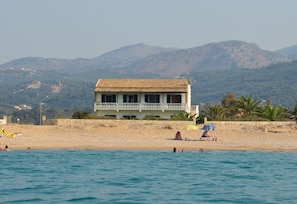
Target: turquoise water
{"points": [[89, 176]]}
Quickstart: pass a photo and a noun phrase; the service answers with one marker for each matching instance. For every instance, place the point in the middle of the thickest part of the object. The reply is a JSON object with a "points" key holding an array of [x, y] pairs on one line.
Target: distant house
{"points": [[3, 121], [23, 107], [139, 98]]}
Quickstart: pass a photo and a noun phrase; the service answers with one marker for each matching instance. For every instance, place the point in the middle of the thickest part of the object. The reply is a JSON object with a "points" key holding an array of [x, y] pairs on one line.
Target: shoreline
{"points": [[276, 137]]}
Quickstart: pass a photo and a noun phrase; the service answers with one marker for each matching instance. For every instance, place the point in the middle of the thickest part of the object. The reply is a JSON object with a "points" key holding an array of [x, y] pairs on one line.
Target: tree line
{"points": [[247, 109]]}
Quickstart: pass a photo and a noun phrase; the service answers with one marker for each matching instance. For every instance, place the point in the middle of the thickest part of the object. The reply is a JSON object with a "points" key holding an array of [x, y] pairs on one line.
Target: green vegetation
{"points": [[273, 113], [181, 116], [215, 112], [246, 108], [84, 115]]}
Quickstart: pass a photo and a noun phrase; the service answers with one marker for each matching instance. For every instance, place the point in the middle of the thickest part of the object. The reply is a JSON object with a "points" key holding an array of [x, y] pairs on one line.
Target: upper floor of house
{"points": [[143, 94]]}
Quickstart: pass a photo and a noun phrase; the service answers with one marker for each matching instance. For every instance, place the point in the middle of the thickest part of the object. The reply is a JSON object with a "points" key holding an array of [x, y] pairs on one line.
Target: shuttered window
{"points": [[152, 98], [109, 98], [173, 98]]}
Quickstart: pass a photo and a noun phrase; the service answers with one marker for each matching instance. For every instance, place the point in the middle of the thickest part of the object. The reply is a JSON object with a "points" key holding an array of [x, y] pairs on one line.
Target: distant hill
{"points": [[213, 56], [115, 59], [290, 52], [166, 62], [125, 56], [47, 64]]}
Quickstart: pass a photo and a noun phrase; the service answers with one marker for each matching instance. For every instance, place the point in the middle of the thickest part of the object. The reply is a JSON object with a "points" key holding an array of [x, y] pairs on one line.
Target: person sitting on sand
{"points": [[178, 136], [206, 136]]}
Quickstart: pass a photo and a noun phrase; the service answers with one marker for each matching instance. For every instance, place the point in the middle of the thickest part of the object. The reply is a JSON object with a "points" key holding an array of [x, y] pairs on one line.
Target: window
{"points": [[173, 98], [111, 116], [130, 98], [152, 98], [128, 117], [109, 98]]}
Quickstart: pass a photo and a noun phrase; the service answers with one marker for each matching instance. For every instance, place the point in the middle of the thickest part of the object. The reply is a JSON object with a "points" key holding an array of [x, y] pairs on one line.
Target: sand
{"points": [[272, 137]]}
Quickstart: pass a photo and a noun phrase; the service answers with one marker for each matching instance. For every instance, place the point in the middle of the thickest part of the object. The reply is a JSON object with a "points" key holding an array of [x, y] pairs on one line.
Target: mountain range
{"points": [[69, 83], [166, 62]]}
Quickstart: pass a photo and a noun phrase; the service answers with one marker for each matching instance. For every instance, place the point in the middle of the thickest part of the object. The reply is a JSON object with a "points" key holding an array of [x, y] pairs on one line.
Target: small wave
{"points": [[32, 200], [82, 199]]}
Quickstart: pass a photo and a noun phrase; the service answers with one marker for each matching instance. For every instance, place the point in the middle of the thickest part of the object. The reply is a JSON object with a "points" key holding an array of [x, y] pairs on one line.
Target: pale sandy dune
{"points": [[152, 137]]}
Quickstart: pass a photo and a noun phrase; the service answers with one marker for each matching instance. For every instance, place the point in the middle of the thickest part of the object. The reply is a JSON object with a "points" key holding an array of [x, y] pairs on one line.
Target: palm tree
{"points": [[273, 113], [248, 107], [215, 112]]}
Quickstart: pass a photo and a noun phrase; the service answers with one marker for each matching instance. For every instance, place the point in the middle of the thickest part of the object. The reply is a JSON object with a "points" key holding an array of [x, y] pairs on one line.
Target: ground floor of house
{"points": [[133, 114]]}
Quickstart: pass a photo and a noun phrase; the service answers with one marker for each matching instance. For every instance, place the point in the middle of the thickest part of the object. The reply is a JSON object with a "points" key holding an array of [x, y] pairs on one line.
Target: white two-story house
{"points": [[139, 98]]}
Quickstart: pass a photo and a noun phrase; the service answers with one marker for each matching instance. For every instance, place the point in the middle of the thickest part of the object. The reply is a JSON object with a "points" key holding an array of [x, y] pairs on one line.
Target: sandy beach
{"points": [[267, 137]]}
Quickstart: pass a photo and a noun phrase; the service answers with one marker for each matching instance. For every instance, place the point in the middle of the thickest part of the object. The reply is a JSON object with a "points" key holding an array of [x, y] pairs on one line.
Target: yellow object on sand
{"points": [[191, 127], [7, 134]]}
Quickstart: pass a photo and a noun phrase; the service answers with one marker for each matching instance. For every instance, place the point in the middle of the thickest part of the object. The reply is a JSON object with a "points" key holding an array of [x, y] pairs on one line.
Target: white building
{"points": [[139, 98]]}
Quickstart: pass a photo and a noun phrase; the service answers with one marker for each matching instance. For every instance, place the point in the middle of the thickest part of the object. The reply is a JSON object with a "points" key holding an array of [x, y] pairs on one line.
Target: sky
{"points": [[89, 28]]}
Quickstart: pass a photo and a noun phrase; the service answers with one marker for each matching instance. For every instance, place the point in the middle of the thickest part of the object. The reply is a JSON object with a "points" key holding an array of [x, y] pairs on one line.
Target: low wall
{"points": [[94, 122], [252, 122]]}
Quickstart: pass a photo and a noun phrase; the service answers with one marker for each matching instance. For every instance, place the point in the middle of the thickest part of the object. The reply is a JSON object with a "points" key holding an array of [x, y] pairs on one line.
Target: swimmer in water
{"points": [[6, 149]]}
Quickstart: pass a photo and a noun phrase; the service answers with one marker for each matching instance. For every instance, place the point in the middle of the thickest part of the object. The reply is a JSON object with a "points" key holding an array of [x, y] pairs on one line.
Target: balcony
{"points": [[141, 106]]}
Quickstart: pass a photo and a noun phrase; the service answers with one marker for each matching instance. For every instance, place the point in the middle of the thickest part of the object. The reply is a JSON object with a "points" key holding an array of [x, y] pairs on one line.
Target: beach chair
{"points": [[7, 134]]}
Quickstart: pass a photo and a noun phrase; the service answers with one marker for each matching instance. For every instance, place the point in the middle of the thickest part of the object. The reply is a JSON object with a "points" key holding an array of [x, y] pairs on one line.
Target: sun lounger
{"points": [[7, 134]]}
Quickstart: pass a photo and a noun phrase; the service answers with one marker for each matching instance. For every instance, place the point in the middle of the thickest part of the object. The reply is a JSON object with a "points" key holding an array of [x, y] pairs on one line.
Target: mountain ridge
{"points": [[290, 52], [168, 62], [212, 56], [116, 58]]}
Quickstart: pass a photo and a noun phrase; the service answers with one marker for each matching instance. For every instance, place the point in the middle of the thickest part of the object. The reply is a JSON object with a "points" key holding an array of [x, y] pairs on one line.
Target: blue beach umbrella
{"points": [[209, 127]]}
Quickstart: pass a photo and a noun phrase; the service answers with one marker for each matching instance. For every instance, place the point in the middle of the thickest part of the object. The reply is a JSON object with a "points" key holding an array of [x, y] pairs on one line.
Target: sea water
{"points": [[97, 176]]}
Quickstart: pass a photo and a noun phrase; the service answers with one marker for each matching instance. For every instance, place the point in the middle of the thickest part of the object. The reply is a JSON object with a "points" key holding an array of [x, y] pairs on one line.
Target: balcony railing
{"points": [[140, 106]]}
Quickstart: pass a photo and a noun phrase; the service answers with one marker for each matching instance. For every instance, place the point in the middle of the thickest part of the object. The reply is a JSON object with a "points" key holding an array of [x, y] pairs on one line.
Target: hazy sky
{"points": [[89, 28]]}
